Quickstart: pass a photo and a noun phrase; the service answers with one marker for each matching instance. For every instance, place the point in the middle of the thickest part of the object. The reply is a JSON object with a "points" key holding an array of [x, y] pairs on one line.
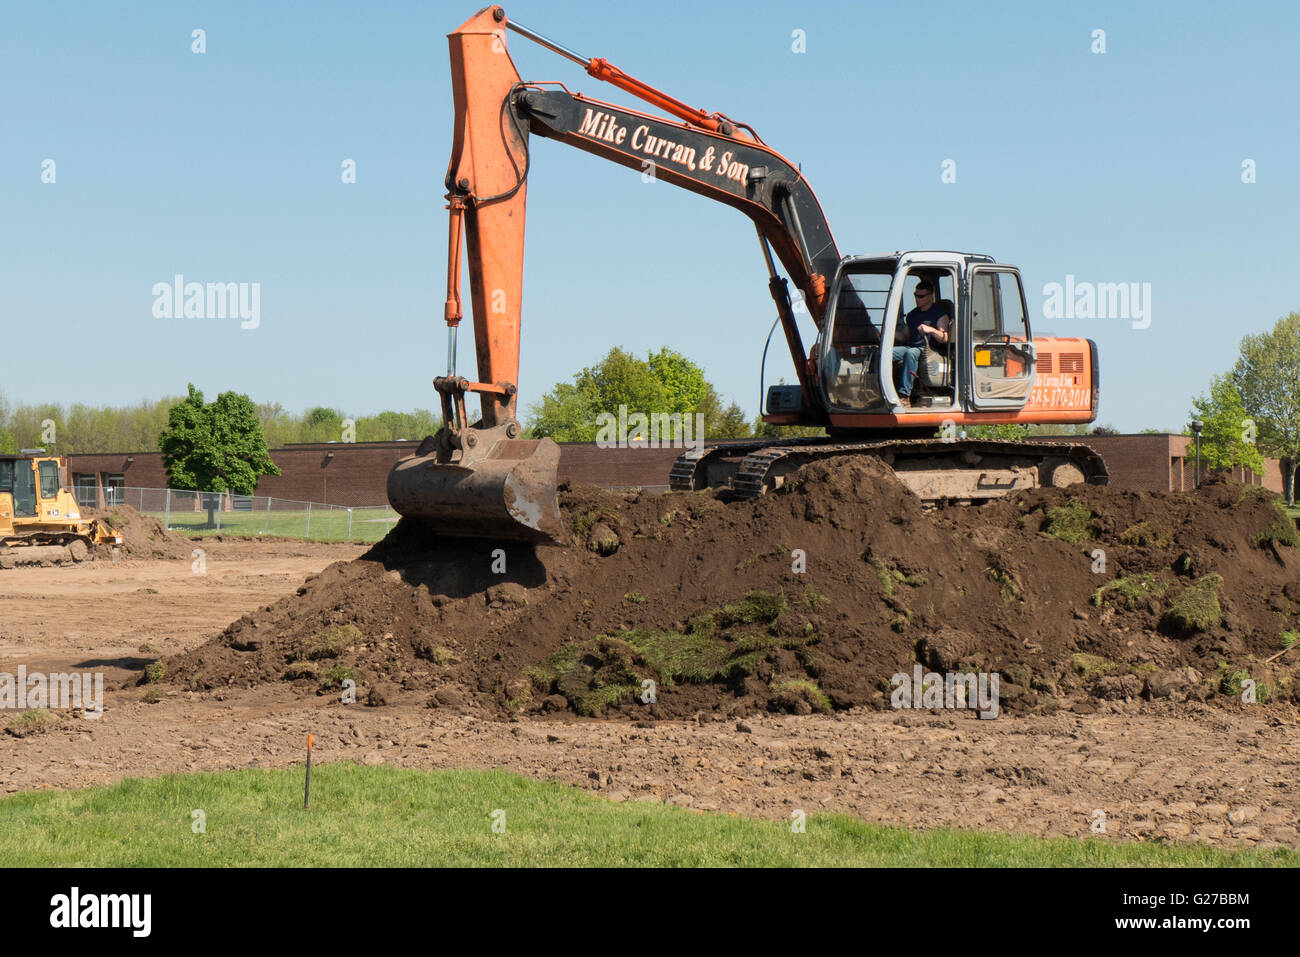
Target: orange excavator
{"points": [[866, 380]]}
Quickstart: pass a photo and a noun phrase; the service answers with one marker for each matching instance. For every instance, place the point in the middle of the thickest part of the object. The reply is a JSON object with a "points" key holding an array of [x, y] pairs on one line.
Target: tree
{"points": [[1227, 440], [217, 447], [8, 444], [1058, 428], [1006, 432], [1267, 376], [322, 425], [664, 383]]}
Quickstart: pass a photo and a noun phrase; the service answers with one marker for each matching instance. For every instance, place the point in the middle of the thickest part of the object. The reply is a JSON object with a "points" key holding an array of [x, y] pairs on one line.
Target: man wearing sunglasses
{"points": [[929, 319]]}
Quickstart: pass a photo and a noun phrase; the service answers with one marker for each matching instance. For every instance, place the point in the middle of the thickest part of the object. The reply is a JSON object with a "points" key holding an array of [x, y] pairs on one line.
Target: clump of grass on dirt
{"points": [[1131, 591], [1282, 530], [35, 721], [591, 676], [1146, 534], [1088, 666], [889, 576], [1289, 638], [1070, 523], [693, 657], [711, 647], [335, 677], [583, 521], [328, 643], [882, 573], [1197, 607], [1006, 584], [635, 597], [439, 654], [295, 670], [153, 694], [1230, 681], [787, 695], [813, 598], [155, 672]]}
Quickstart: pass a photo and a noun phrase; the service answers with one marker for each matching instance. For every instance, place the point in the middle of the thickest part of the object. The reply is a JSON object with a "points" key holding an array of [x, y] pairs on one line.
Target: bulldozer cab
{"points": [[32, 482], [19, 480]]}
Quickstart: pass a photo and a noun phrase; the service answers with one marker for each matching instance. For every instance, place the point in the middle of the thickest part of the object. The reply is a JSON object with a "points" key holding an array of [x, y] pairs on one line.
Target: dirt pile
{"points": [[810, 599], [143, 536]]}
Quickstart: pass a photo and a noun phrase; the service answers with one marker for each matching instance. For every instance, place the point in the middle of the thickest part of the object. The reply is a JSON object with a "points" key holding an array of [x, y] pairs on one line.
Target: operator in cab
{"points": [[929, 320]]}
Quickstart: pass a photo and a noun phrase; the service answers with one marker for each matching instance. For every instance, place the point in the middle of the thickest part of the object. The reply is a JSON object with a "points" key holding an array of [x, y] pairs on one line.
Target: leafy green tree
{"points": [[667, 382], [1227, 439], [1005, 432], [215, 447], [1267, 376], [322, 425], [389, 426], [683, 381], [8, 444], [1057, 429], [563, 415]]}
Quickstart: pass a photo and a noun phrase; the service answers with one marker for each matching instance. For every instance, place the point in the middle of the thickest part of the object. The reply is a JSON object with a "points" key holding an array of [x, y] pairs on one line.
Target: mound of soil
{"points": [[811, 598], [143, 536]]}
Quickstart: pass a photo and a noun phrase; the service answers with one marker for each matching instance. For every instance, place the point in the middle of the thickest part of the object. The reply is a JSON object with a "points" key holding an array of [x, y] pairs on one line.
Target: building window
{"points": [[84, 486], [114, 489]]}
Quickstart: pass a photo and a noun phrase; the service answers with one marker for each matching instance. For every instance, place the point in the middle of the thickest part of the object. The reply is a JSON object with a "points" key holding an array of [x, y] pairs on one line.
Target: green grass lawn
{"points": [[324, 523], [396, 817]]}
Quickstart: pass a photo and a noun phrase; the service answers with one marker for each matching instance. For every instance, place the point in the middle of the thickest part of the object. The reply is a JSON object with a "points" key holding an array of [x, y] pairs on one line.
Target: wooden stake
{"points": [[306, 791]]}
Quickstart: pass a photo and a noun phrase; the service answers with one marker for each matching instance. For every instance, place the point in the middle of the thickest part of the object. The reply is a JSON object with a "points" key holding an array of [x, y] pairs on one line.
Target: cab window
{"points": [[1000, 342], [49, 479]]}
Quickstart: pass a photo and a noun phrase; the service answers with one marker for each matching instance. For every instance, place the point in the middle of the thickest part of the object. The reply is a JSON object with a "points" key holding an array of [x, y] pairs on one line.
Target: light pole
{"points": [[1197, 426]]}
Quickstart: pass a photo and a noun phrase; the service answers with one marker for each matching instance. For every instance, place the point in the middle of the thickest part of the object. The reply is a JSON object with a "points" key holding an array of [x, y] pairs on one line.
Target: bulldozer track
{"points": [[37, 548]]}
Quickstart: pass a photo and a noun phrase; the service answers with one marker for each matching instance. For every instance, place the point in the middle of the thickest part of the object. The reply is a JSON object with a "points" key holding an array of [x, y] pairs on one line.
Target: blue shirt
{"points": [[919, 317]]}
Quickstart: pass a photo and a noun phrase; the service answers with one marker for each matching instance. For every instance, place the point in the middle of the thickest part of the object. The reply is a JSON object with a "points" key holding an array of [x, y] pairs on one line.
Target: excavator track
{"points": [[936, 470]]}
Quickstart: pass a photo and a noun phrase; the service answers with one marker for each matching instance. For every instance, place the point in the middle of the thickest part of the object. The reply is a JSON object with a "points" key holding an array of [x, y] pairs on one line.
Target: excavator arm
{"points": [[485, 480]]}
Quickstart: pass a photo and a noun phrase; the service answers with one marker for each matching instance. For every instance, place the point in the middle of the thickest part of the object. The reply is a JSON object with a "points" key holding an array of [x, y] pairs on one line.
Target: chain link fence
{"points": [[211, 513]]}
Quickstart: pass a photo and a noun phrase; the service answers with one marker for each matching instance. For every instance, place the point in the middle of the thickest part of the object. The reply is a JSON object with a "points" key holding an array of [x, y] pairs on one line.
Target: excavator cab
{"points": [[986, 364]]}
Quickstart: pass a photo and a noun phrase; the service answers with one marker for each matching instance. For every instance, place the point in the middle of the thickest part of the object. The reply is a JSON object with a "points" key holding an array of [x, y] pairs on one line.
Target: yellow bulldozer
{"points": [[40, 521]]}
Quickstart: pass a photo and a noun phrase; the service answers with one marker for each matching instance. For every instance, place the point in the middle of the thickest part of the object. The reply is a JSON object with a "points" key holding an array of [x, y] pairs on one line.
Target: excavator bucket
{"points": [[497, 488]]}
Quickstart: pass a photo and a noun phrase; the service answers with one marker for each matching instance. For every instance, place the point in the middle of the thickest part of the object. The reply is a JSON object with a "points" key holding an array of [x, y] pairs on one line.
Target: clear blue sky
{"points": [[1118, 167]]}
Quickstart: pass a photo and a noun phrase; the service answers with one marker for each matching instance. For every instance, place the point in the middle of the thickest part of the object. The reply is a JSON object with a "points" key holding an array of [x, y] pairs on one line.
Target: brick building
{"points": [[354, 474]]}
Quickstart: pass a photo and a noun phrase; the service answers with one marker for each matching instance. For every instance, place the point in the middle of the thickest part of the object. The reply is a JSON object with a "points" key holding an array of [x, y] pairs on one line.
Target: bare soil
{"points": [[810, 598], [444, 643]]}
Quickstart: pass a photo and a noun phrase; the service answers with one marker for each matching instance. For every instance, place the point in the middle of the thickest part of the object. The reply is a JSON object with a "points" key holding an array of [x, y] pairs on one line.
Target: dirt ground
{"points": [[1148, 770]]}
